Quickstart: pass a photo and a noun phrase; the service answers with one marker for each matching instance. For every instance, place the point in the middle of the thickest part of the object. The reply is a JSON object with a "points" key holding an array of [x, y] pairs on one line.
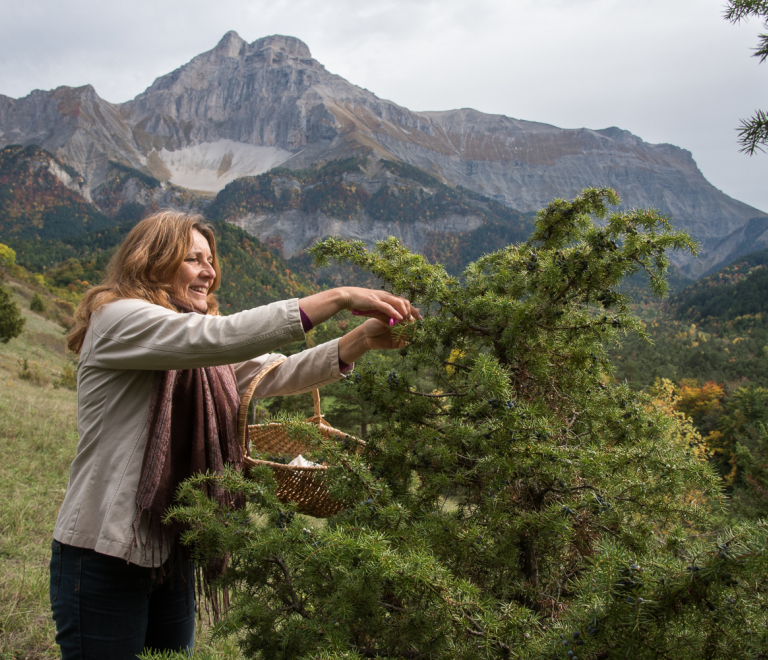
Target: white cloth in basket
{"points": [[300, 461]]}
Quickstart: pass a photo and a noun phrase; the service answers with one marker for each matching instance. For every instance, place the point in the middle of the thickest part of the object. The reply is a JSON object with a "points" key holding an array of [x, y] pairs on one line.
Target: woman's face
{"points": [[196, 274]]}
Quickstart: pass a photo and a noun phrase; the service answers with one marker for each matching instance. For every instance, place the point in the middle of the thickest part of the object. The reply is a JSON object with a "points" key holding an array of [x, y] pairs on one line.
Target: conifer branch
{"points": [[484, 518], [436, 396], [293, 603], [368, 652], [394, 608], [446, 363]]}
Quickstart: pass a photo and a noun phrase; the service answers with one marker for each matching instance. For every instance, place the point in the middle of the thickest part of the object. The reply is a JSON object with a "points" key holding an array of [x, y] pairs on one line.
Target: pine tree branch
{"points": [[394, 608], [588, 326], [477, 626], [456, 366], [368, 652], [437, 396], [610, 531], [477, 328], [294, 602], [479, 631], [741, 9], [753, 133]]}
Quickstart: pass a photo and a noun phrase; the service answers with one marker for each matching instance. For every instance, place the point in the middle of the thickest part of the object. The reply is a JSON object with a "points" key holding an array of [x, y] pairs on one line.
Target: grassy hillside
{"points": [[37, 442]]}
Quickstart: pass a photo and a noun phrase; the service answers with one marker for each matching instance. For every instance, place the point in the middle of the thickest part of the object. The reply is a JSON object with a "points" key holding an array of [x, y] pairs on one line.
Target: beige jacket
{"points": [[127, 341]]}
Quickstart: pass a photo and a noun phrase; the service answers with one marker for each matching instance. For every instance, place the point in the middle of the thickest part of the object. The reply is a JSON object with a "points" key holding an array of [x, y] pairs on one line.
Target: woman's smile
{"points": [[196, 273]]}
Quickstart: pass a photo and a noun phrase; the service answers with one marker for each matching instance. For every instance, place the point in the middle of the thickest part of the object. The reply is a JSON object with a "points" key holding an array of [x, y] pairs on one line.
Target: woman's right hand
{"points": [[381, 305], [376, 303]]}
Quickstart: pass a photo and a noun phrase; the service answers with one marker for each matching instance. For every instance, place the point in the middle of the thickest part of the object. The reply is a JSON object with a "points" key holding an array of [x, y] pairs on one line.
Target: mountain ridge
{"points": [[241, 109]]}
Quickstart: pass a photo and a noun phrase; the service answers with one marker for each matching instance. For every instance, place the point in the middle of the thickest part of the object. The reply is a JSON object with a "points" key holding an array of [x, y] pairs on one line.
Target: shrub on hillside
{"points": [[37, 304], [33, 373], [11, 320], [68, 378]]}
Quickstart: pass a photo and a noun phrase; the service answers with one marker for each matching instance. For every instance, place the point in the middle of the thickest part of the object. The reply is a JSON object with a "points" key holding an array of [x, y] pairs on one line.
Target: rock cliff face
{"points": [[242, 109], [368, 200], [72, 123]]}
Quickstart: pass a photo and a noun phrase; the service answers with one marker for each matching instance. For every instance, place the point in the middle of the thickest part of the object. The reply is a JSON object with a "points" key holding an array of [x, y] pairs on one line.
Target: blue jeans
{"points": [[108, 609]]}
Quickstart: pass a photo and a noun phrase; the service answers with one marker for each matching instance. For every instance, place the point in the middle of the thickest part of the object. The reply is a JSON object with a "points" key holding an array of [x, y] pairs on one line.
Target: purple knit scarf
{"points": [[192, 430]]}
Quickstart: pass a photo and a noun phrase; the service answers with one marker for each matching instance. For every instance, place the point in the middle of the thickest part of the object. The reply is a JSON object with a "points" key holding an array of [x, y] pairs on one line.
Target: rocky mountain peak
{"points": [[231, 45], [230, 64], [70, 100], [291, 46]]}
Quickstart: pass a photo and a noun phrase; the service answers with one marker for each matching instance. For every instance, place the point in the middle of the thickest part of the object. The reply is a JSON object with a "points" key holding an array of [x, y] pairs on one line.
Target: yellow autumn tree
{"points": [[676, 403]]}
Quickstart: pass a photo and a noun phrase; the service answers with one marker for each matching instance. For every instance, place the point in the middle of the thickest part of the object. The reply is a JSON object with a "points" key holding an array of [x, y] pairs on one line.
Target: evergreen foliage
{"points": [[753, 132], [509, 501], [37, 304], [740, 442], [11, 320]]}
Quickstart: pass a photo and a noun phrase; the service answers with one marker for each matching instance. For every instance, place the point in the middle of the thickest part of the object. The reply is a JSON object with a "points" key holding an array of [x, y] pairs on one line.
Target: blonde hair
{"points": [[145, 267]]}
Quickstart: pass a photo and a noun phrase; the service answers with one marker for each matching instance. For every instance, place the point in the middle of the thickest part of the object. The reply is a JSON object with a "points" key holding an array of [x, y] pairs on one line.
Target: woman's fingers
{"points": [[375, 313], [379, 335], [380, 304], [385, 305], [381, 317]]}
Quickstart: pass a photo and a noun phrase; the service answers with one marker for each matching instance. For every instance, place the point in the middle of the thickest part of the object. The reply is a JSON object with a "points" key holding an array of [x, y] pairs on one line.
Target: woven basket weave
{"points": [[303, 485]]}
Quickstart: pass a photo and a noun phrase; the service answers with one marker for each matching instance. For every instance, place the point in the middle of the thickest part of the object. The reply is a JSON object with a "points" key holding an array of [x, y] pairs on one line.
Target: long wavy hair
{"points": [[146, 266]]}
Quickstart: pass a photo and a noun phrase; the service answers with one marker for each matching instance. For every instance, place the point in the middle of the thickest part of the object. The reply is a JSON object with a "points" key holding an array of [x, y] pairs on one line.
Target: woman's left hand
{"points": [[379, 335], [373, 334]]}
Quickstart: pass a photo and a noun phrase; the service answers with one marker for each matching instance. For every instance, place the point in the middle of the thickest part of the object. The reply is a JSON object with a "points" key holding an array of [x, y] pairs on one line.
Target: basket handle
{"points": [[245, 400], [242, 415]]}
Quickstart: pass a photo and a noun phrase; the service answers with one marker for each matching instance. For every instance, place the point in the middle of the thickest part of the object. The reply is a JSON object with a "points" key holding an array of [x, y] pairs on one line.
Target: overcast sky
{"points": [[667, 70]]}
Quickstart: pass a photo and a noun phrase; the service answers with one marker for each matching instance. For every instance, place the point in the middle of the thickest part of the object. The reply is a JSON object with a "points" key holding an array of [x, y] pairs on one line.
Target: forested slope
{"points": [[716, 329]]}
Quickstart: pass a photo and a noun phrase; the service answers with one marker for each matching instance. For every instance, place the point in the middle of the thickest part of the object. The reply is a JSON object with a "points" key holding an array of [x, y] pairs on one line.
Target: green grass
{"points": [[38, 438], [37, 442]]}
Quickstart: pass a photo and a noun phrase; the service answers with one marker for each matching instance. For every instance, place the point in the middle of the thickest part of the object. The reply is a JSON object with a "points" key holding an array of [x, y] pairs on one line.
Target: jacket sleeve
{"points": [[303, 372], [135, 334]]}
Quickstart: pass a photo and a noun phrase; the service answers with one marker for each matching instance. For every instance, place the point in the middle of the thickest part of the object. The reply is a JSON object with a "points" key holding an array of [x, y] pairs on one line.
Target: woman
{"points": [[159, 379]]}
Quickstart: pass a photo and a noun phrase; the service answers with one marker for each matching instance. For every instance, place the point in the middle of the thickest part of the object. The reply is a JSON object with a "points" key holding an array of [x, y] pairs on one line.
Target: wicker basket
{"points": [[303, 485]]}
